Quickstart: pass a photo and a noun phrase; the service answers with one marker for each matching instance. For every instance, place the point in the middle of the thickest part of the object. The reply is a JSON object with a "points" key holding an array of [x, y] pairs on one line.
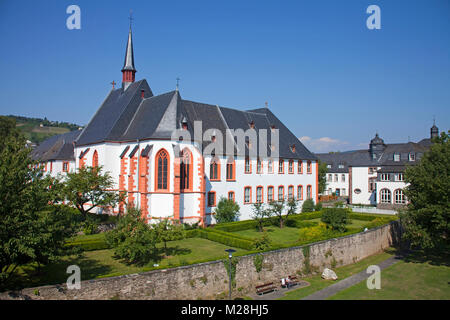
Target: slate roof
{"points": [[59, 147], [125, 116], [363, 158]]}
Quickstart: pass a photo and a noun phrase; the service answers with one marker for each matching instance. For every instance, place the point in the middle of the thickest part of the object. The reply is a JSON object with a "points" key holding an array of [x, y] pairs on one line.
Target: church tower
{"points": [[434, 131], [128, 69]]}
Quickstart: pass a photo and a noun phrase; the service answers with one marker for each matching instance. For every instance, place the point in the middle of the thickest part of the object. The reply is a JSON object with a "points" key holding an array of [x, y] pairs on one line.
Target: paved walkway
{"points": [[348, 282]]}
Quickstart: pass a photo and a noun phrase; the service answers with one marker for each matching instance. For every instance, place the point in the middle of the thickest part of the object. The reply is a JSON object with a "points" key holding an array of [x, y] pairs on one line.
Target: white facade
{"points": [[337, 183], [361, 178]]}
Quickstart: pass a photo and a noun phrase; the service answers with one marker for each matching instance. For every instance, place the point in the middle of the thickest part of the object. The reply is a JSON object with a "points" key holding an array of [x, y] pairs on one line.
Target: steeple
{"points": [[434, 131], [128, 69]]}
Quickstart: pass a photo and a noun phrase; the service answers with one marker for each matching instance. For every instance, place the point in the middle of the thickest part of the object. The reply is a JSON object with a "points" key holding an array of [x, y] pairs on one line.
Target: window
{"points": [[259, 194], [329, 166], [247, 195], [336, 178], [309, 192], [372, 170], [308, 167], [372, 184], [211, 199], [231, 195], [330, 177], [45, 167], [343, 178], [400, 177], [357, 191], [231, 172], [341, 166], [259, 166], [396, 157], [385, 177], [291, 166], [280, 166], [291, 192], [95, 159], [269, 194], [162, 170], [385, 196], [399, 197], [186, 171], [343, 191], [248, 165], [270, 166], [300, 192], [300, 166], [65, 166], [51, 166], [280, 193], [412, 156], [214, 170]]}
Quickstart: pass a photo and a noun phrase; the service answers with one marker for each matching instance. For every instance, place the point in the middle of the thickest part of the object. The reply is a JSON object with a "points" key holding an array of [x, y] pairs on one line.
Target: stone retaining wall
{"points": [[209, 280]]}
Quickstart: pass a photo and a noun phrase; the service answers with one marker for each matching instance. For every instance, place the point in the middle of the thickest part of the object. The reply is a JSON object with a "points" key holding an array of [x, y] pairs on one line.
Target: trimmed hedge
{"points": [[224, 238], [89, 244]]}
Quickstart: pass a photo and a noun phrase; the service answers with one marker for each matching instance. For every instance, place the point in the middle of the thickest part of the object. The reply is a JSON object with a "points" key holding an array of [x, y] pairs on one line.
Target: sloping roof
{"points": [[126, 116], [362, 158], [59, 147]]}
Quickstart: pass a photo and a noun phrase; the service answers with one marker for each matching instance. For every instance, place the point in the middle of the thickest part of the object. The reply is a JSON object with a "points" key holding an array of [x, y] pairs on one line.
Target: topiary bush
{"points": [[308, 206]]}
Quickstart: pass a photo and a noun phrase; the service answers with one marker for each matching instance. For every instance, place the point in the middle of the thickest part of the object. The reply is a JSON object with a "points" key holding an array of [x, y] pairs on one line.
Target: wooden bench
{"points": [[265, 288]]}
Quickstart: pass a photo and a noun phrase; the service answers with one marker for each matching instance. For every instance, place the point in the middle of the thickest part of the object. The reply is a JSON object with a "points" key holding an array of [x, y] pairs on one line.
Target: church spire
{"points": [[128, 69]]}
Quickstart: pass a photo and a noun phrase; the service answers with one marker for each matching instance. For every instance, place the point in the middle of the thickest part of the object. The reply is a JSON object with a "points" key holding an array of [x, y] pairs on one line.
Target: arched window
{"points": [[231, 172], [214, 170], [385, 196], [186, 171], [308, 192], [280, 193], [300, 192], [162, 170], [399, 197], [95, 159]]}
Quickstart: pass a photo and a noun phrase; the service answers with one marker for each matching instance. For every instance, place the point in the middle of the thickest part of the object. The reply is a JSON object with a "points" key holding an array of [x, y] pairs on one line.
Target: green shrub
{"points": [[336, 218], [262, 243], [308, 206], [318, 207], [226, 211]]}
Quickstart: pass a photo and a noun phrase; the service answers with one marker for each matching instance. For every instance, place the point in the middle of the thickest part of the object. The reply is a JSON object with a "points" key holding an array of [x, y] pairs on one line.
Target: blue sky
{"points": [[331, 80]]}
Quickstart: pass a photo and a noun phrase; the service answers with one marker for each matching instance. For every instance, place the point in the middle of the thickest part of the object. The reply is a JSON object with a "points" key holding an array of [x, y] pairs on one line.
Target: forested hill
{"points": [[37, 130]]}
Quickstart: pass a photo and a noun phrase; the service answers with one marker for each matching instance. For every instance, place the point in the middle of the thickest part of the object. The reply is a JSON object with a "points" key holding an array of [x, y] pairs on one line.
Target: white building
{"points": [[176, 176]]}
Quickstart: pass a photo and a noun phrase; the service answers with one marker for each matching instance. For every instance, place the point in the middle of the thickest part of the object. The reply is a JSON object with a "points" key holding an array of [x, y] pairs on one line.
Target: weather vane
{"points": [[178, 82]]}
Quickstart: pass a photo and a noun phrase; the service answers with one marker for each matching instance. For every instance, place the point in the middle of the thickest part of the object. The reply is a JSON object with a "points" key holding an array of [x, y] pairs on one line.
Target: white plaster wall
{"points": [[340, 184], [360, 180]]}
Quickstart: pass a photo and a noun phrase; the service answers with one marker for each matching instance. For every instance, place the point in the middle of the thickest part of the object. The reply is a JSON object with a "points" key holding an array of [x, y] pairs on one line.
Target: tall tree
{"points": [[26, 233], [277, 209], [89, 188], [427, 219]]}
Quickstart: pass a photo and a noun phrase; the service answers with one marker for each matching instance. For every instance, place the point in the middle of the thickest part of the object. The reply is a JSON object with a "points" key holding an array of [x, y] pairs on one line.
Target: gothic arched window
{"points": [[186, 171], [214, 170], [162, 170]]}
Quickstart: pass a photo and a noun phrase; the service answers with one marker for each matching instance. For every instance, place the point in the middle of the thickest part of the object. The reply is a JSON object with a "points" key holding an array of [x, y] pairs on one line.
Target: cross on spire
{"points": [[178, 82], [113, 84], [131, 17]]}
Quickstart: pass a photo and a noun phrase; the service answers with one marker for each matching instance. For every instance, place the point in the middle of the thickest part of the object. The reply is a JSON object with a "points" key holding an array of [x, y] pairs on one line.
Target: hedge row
{"points": [[229, 240], [90, 245]]}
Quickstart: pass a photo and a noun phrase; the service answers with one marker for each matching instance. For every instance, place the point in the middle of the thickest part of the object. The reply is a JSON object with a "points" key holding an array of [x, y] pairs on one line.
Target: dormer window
{"points": [[293, 148], [412, 157], [341, 166], [396, 157], [252, 125]]}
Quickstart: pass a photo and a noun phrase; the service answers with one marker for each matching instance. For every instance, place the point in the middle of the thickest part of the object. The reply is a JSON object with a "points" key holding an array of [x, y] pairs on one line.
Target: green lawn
{"points": [[100, 263], [353, 222], [317, 283], [406, 280]]}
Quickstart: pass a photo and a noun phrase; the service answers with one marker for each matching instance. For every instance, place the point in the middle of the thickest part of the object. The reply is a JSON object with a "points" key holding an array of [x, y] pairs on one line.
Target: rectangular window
{"points": [[343, 191], [300, 192], [343, 178], [269, 194], [65, 167], [396, 157], [308, 167], [412, 157], [280, 193], [281, 166], [259, 166], [259, 194], [291, 166], [336, 178], [247, 195], [385, 177], [290, 192], [231, 195], [270, 166], [330, 177], [211, 199], [300, 166], [248, 165]]}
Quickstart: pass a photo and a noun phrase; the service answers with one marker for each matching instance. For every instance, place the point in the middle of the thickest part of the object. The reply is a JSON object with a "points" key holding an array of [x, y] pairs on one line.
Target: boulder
{"points": [[329, 274]]}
